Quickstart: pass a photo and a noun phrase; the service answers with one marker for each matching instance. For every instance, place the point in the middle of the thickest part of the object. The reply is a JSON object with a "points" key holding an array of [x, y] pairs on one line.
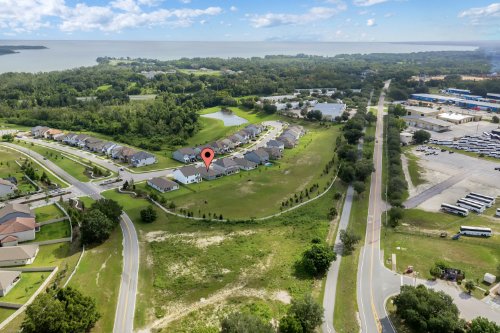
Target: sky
{"points": [[251, 20]]}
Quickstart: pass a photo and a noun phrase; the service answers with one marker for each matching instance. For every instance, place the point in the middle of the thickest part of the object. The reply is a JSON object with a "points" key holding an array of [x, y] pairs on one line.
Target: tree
{"points": [[364, 168], [359, 187], [244, 323], [148, 215], [347, 173], [425, 310], [495, 120], [353, 135], [370, 117], [421, 136], [307, 312], [315, 115], [395, 215], [290, 324], [96, 227], [316, 260], [65, 311], [110, 208], [349, 240], [435, 271], [470, 286], [483, 325]]}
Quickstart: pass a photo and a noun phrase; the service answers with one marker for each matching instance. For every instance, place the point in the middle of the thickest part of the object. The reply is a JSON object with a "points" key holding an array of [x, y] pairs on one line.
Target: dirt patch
{"points": [[103, 266], [282, 296], [195, 239]]}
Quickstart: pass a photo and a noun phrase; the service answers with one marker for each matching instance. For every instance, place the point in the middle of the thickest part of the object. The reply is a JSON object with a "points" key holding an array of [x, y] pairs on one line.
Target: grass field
{"points": [[8, 167], [421, 246], [47, 213], [198, 72], [99, 276], [22, 291], [53, 231], [240, 196], [414, 169], [232, 265]]}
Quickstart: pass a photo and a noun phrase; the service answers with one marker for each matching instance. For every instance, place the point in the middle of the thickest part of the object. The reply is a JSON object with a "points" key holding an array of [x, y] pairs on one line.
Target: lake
{"points": [[70, 54], [229, 119]]}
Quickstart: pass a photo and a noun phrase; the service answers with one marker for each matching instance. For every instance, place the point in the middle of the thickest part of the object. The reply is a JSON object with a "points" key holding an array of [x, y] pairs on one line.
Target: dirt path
{"points": [[411, 189]]}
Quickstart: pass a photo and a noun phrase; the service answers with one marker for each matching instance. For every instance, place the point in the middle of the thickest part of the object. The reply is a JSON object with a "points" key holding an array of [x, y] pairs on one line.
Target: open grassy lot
{"points": [[198, 72], [413, 168], [9, 167], [53, 231], [73, 168], [241, 196], [211, 130], [99, 276], [22, 291], [231, 265], [47, 213], [421, 246]]}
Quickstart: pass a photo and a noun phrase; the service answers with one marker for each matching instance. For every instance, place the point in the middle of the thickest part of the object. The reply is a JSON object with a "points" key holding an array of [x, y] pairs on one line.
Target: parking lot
{"points": [[458, 131], [468, 174]]}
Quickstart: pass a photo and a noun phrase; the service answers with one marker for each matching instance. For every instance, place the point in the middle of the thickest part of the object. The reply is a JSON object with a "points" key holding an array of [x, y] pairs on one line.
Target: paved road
{"points": [[434, 190], [124, 318], [333, 271]]}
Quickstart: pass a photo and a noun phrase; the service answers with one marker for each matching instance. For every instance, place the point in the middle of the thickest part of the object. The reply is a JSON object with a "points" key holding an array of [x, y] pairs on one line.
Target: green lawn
{"points": [[9, 167], [184, 261], [211, 130], [53, 231], [420, 245], [74, 169], [29, 283], [4, 314], [241, 196], [198, 72], [414, 169], [104, 87], [99, 276], [47, 213]]}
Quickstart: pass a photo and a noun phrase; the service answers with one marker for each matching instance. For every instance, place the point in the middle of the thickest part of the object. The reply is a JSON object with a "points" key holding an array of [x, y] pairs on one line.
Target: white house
{"points": [[8, 279], [23, 228], [142, 158], [18, 255], [187, 175]]}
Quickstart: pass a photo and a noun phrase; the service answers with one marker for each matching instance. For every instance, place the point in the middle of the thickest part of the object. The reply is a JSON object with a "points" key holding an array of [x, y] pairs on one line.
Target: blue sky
{"points": [[251, 20]]}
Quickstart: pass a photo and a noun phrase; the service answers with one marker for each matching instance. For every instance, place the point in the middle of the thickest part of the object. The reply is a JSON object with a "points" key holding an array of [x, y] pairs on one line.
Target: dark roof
{"points": [[162, 182], [16, 207], [189, 170], [245, 163], [187, 151], [260, 152], [225, 162], [141, 155], [210, 172], [275, 143]]}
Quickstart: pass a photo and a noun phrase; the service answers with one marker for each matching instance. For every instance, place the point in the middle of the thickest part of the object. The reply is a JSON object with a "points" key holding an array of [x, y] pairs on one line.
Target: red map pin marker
{"points": [[207, 154]]}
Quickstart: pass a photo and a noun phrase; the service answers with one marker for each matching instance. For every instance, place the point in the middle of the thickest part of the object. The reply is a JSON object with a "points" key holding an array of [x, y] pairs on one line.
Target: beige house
{"points": [[22, 228], [8, 279], [18, 255]]}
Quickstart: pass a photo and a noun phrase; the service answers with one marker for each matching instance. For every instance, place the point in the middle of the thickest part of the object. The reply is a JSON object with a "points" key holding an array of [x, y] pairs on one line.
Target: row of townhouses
{"points": [[116, 151]]}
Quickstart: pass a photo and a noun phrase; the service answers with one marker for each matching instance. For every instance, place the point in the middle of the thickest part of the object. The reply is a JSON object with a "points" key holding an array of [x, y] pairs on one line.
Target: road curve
{"points": [[125, 309]]}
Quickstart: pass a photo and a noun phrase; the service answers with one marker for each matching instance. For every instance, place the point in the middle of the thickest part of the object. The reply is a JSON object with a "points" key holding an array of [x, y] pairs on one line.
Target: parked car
{"points": [[456, 237]]}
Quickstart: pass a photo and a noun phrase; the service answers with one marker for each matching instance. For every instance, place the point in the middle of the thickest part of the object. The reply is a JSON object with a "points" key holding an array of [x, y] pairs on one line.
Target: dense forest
{"points": [[97, 98]]}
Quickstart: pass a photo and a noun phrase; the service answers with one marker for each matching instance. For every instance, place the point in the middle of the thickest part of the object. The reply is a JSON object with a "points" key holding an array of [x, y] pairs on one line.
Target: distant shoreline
{"points": [[11, 49]]}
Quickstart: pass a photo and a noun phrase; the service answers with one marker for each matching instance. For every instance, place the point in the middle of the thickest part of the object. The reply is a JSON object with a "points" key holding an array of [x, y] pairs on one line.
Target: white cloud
{"points": [[370, 22], [31, 15], [366, 3], [389, 15], [492, 10], [233, 9], [277, 19], [185, 1]]}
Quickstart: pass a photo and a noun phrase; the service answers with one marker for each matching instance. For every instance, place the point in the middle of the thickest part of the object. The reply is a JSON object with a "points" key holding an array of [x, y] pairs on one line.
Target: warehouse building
{"points": [[431, 124], [417, 111], [457, 118], [461, 102]]}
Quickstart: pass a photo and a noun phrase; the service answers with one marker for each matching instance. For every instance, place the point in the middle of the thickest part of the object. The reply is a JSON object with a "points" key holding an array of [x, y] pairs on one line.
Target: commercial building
{"points": [[431, 124], [457, 118], [492, 96], [417, 111], [458, 101], [456, 91]]}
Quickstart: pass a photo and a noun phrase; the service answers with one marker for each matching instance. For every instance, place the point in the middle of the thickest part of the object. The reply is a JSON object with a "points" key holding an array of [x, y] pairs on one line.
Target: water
{"points": [[229, 119], [70, 54]]}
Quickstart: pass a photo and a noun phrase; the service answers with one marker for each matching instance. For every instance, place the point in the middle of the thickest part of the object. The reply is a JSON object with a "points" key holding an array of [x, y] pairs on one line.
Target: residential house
{"points": [[245, 164], [259, 156], [185, 155], [163, 184], [275, 144], [60, 137], [226, 165], [126, 154], [187, 175], [51, 133], [95, 146], [142, 158], [223, 146], [23, 228], [211, 173], [18, 255], [288, 142], [228, 143], [8, 279], [250, 132], [274, 153], [90, 142], [11, 179], [7, 188], [297, 129], [70, 139], [244, 136], [108, 147], [255, 131], [39, 131], [80, 140], [9, 241], [13, 210], [116, 151], [235, 140]]}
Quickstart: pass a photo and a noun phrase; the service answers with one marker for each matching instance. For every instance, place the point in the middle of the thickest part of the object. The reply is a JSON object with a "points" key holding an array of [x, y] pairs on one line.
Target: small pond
{"points": [[228, 118]]}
